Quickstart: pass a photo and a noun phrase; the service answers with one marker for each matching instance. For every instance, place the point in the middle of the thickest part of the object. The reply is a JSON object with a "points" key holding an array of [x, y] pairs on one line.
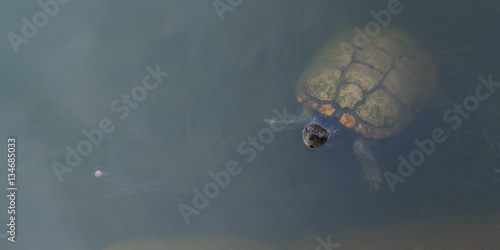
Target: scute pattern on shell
{"points": [[381, 86]]}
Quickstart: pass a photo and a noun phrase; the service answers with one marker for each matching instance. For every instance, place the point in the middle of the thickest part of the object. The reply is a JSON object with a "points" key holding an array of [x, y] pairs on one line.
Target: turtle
{"points": [[365, 92]]}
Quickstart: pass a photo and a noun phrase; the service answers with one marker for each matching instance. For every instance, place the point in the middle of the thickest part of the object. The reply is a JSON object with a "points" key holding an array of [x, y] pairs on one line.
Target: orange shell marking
{"points": [[348, 120], [326, 109], [366, 131], [300, 96], [311, 104]]}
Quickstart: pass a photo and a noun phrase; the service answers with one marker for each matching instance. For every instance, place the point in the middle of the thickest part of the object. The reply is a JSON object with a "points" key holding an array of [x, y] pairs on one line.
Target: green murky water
{"points": [[167, 100]]}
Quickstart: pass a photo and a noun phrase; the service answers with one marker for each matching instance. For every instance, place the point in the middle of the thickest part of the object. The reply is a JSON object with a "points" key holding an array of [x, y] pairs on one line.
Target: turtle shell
{"points": [[376, 89]]}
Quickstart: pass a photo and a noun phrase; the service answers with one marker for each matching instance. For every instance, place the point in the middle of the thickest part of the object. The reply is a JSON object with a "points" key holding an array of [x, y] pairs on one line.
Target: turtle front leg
{"points": [[290, 121], [371, 170]]}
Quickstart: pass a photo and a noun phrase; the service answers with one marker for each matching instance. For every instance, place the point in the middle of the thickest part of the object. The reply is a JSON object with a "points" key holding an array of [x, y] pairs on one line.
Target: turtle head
{"points": [[320, 132]]}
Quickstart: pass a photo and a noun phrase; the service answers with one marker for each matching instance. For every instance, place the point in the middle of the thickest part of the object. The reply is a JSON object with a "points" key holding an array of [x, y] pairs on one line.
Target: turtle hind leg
{"points": [[371, 171]]}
